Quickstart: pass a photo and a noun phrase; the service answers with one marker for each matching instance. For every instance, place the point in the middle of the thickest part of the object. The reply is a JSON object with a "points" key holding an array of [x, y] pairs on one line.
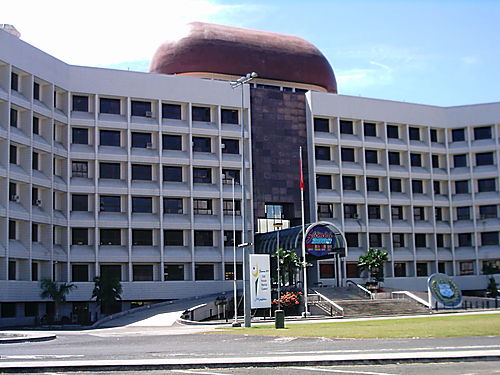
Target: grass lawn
{"points": [[437, 326]]}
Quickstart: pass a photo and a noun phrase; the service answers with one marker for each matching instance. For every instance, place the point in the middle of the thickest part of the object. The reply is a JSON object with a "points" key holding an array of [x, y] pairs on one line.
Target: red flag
{"points": [[301, 173]]}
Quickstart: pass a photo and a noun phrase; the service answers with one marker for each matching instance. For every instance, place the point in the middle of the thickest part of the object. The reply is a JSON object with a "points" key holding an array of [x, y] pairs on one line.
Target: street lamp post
{"points": [[235, 284], [278, 226], [246, 272]]}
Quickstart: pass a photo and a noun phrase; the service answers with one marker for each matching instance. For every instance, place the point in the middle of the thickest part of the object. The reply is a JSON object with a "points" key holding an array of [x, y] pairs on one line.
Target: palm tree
{"points": [[107, 291], [289, 265], [55, 291], [373, 261]]}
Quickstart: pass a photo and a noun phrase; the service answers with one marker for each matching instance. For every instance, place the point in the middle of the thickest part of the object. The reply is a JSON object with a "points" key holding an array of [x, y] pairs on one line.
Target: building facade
{"points": [[131, 174]]}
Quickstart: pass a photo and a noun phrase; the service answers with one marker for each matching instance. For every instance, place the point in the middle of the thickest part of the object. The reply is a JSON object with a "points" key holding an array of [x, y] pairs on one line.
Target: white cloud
{"points": [[359, 78], [108, 31]]}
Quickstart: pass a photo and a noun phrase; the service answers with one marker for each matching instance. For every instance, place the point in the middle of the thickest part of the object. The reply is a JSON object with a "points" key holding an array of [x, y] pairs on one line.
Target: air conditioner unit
{"points": [[148, 114], [79, 242], [225, 238], [355, 216], [14, 198], [222, 145], [38, 202], [149, 145]]}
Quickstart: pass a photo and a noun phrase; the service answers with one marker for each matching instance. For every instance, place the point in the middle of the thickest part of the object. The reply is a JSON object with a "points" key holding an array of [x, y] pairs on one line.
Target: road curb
{"points": [[26, 338]]}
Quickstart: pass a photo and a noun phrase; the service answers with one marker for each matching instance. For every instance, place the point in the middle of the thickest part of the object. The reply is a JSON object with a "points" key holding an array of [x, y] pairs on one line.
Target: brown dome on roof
{"points": [[236, 51]]}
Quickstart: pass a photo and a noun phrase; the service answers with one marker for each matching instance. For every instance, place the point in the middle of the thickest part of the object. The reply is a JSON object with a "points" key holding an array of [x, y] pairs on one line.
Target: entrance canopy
{"points": [[323, 240]]}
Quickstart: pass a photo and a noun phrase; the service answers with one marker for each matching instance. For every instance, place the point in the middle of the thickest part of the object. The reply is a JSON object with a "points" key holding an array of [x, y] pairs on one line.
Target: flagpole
{"points": [[304, 263]]}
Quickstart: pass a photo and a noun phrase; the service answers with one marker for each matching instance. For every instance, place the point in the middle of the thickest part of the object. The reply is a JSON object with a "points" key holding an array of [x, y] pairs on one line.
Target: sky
{"points": [[441, 52]]}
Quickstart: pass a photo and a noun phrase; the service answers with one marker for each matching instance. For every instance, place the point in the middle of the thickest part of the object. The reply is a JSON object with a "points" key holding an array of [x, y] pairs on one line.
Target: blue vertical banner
{"points": [[260, 281]]}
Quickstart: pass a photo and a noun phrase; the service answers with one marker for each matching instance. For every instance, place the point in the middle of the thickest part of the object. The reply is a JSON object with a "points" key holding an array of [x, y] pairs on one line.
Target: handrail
{"points": [[329, 301], [413, 297], [370, 294]]}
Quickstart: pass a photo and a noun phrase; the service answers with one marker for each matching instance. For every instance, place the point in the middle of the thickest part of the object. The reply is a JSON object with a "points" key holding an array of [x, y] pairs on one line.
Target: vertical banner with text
{"points": [[260, 281]]}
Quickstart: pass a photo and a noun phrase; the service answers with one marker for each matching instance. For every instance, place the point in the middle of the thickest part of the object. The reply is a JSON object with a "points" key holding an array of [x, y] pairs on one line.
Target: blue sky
{"points": [[432, 52]]}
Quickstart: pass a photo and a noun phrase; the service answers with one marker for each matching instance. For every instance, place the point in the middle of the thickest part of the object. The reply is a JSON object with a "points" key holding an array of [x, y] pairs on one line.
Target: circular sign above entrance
{"points": [[444, 290], [320, 241]]}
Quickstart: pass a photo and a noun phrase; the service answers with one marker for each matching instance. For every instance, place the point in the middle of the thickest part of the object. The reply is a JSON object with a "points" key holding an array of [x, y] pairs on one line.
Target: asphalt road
{"points": [[171, 343]]}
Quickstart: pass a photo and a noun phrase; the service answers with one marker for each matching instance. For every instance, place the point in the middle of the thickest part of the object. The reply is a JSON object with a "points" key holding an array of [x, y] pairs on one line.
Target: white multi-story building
{"points": [[130, 174]]}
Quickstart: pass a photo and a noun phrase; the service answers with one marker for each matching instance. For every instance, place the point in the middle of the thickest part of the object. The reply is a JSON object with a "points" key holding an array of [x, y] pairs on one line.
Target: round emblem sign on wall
{"points": [[444, 290]]}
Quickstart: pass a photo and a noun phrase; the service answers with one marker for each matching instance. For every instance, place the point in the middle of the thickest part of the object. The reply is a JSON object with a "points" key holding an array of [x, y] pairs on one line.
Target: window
{"points": [[371, 156], [370, 129], [321, 125], [142, 204], [109, 170], [36, 91], [398, 240], [110, 236], [13, 192], [322, 153], [230, 146], [111, 106], [79, 169], [12, 270], [14, 81], [420, 240], [417, 186], [458, 135], [373, 212], [12, 230], [36, 125], [349, 182], [172, 142], [142, 172], [440, 240], [8, 309], [34, 232], [347, 154], [173, 237], [109, 138], [140, 108], [201, 114], [204, 272], [111, 271], [79, 236], [202, 175], [227, 207], [229, 116], [434, 137], [486, 185], [346, 127], [202, 206], [80, 103], [465, 239], [80, 136], [13, 118], [110, 203], [352, 239], [414, 134], [394, 158], [229, 174], [350, 211], [172, 174], [463, 213], [352, 270], [173, 272], [203, 238], [392, 131], [274, 211], [422, 269], [461, 187], [484, 158], [171, 111], [482, 133], [397, 212], [395, 185], [142, 237], [418, 213], [326, 270], [438, 213], [79, 202], [34, 196], [142, 272], [229, 271], [323, 181], [372, 184], [437, 187], [375, 239], [31, 308], [486, 212], [466, 268], [173, 206], [325, 210], [228, 237], [489, 238], [202, 144], [415, 160], [459, 161], [141, 140], [399, 269], [13, 154]]}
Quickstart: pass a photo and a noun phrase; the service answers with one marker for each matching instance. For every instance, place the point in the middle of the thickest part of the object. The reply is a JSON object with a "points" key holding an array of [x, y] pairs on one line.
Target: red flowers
{"points": [[289, 299]]}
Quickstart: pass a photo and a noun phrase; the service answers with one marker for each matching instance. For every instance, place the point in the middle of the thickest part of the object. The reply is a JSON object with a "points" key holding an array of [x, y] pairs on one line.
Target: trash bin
{"points": [[279, 319]]}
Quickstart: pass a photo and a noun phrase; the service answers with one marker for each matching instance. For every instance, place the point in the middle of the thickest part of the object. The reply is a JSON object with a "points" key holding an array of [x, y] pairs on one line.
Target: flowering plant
{"points": [[289, 299]]}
